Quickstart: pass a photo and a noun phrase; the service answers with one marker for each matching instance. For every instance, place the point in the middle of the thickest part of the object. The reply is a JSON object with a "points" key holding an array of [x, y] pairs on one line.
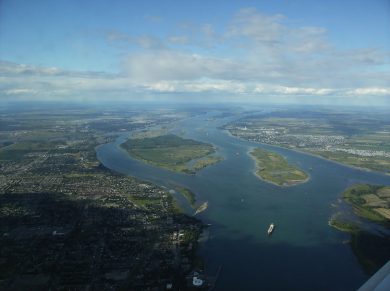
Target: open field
{"points": [[170, 152], [275, 169]]}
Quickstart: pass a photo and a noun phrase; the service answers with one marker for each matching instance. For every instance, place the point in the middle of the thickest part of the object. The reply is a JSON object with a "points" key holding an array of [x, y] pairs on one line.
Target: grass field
{"points": [[274, 168]]}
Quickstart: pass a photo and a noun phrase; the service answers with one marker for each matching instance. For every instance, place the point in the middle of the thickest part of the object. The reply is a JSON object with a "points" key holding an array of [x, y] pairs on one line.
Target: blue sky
{"points": [[303, 51]]}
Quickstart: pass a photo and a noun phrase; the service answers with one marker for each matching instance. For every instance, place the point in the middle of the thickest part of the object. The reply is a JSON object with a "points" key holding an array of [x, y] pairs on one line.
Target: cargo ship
{"points": [[271, 228]]}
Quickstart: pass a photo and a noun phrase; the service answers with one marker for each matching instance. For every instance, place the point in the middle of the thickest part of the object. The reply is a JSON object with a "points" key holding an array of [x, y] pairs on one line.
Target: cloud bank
{"points": [[255, 56]]}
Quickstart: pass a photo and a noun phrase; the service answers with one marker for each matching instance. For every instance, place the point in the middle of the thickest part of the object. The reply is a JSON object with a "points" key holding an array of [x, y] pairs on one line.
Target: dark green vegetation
{"points": [[274, 168], [371, 202], [343, 225], [345, 137], [171, 152], [68, 223]]}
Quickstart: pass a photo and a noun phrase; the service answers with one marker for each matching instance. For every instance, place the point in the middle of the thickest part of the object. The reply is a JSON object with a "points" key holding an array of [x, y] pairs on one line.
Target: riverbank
{"points": [[307, 153]]}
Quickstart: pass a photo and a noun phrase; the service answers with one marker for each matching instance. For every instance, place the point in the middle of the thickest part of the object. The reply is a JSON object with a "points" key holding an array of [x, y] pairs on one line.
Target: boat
{"points": [[271, 228]]}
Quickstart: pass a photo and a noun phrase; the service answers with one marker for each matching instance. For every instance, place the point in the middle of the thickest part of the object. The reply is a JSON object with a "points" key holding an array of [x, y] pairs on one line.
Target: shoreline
{"points": [[309, 154]]}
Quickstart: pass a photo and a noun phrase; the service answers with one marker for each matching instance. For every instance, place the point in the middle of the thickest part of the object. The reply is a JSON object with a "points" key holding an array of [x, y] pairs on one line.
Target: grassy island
{"points": [[275, 169], [172, 152]]}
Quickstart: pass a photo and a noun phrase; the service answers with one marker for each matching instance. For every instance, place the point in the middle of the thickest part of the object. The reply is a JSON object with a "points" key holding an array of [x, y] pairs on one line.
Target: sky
{"points": [[291, 51]]}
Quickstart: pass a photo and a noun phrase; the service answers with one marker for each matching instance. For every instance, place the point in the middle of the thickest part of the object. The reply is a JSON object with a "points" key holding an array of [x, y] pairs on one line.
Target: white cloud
{"points": [[371, 91], [38, 84], [198, 86], [261, 48], [173, 65], [8, 68], [303, 91], [20, 91], [161, 87]]}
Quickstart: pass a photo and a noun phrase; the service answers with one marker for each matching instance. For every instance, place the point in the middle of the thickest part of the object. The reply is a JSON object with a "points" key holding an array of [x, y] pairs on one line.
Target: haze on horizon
{"points": [[321, 52]]}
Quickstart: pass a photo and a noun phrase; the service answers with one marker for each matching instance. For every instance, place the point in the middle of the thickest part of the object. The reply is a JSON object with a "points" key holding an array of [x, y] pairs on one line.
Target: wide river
{"points": [[303, 253]]}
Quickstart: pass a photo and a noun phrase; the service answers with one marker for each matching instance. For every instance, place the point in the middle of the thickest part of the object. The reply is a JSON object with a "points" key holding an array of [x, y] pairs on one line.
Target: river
{"points": [[303, 253]]}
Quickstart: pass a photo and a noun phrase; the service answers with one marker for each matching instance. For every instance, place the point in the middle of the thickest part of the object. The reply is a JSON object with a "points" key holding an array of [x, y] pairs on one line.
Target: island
{"points": [[370, 205], [172, 152], [275, 169], [187, 194], [191, 199]]}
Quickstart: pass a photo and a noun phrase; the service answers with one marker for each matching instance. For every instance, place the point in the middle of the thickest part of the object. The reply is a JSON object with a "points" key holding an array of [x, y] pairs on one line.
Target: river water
{"points": [[303, 253]]}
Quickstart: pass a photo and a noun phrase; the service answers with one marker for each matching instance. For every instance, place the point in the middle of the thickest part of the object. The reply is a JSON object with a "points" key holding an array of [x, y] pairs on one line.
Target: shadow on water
{"points": [[371, 250], [277, 266]]}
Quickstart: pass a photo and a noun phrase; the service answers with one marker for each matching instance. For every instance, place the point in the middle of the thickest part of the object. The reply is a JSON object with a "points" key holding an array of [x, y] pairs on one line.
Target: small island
{"points": [[172, 152], [275, 169], [191, 198], [187, 194]]}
